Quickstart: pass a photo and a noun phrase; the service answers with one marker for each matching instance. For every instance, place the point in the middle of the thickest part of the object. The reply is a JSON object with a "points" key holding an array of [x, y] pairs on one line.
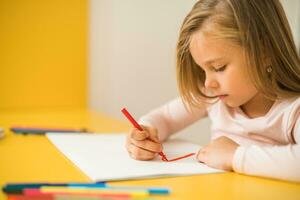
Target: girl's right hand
{"points": [[143, 145]]}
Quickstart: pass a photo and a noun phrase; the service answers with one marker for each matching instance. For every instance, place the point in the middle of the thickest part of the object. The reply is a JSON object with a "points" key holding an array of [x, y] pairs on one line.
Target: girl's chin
{"points": [[228, 101], [231, 104]]}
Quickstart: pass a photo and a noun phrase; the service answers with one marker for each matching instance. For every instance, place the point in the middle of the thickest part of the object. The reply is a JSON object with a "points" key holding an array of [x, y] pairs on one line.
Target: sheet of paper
{"points": [[103, 157]]}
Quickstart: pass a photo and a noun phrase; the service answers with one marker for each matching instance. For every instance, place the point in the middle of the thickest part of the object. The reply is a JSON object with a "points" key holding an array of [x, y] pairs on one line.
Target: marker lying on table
{"points": [[67, 197], [43, 130], [105, 187], [93, 191], [151, 190], [18, 188], [136, 125]]}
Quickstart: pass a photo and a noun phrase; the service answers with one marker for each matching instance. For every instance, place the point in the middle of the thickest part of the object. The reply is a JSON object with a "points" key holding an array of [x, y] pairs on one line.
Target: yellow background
{"points": [[43, 53]]}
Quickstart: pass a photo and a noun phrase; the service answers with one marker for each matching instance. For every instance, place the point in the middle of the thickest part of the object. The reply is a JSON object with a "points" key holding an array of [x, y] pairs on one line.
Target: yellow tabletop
{"points": [[32, 158]]}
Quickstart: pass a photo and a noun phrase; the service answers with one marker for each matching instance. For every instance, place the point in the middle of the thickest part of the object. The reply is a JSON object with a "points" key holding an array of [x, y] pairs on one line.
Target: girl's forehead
{"points": [[203, 41], [205, 47]]}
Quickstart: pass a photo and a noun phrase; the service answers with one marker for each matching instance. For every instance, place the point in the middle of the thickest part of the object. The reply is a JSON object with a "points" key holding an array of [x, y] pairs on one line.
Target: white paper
{"points": [[103, 157]]}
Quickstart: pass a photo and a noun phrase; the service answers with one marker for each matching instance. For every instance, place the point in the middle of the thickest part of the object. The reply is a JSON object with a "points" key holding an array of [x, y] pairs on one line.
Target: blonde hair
{"points": [[261, 28]]}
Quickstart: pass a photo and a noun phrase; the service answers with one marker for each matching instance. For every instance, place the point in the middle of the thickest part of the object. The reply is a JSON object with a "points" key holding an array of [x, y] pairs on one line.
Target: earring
{"points": [[269, 69]]}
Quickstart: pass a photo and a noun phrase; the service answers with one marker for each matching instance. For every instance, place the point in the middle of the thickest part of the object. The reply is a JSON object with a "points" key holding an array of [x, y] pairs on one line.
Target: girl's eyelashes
{"points": [[220, 69]]}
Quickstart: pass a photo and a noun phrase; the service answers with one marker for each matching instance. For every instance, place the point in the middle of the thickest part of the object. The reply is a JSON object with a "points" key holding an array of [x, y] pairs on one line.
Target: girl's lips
{"points": [[222, 96]]}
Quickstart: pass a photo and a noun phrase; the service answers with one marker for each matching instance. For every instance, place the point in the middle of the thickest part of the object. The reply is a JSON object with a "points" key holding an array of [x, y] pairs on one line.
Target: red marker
{"points": [[136, 125]]}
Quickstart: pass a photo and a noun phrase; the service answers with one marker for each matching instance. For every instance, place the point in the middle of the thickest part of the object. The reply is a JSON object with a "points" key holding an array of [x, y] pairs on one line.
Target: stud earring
{"points": [[269, 69]]}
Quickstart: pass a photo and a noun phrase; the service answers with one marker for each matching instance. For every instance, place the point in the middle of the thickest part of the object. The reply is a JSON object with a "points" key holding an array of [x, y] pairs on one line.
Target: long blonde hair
{"points": [[261, 28]]}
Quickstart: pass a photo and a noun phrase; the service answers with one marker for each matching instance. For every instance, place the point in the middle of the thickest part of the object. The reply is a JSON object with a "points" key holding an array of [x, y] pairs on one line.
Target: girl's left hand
{"points": [[219, 153]]}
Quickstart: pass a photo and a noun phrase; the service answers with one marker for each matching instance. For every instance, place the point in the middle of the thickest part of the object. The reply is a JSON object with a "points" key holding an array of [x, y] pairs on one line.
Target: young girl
{"points": [[237, 64]]}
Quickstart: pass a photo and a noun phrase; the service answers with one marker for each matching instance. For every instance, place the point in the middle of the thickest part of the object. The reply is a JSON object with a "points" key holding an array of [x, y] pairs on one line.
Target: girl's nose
{"points": [[210, 83]]}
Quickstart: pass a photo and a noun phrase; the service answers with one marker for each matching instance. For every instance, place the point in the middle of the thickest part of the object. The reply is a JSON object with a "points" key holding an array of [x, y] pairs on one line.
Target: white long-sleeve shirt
{"points": [[269, 145]]}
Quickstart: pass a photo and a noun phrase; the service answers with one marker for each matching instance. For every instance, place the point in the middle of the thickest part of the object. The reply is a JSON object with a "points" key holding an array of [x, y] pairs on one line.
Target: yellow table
{"points": [[32, 158]]}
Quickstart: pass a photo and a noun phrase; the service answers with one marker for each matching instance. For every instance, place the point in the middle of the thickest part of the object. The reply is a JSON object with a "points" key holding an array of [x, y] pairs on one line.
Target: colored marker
{"points": [[136, 125], [151, 190], [18, 187], [97, 191], [163, 156], [42, 196], [43, 130], [38, 192], [25, 197]]}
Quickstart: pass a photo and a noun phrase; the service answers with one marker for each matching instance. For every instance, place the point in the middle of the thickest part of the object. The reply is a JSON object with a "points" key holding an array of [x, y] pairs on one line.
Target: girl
{"points": [[237, 64]]}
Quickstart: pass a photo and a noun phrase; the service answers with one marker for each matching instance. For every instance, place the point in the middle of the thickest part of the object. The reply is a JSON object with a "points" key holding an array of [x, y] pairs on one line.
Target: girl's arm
{"points": [[172, 117], [281, 162]]}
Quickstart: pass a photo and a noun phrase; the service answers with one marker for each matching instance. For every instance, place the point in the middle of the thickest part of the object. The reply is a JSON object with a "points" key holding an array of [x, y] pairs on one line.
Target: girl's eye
{"points": [[220, 69]]}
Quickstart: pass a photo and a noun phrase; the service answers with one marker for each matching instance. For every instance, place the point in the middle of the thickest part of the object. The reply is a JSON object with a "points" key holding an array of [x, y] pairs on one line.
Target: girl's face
{"points": [[225, 69]]}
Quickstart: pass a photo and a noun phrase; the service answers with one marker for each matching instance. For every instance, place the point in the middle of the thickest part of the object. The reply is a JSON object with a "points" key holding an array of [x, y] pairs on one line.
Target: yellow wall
{"points": [[43, 53]]}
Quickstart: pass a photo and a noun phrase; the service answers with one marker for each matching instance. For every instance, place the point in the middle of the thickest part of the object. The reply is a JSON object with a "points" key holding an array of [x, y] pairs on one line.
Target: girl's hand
{"points": [[219, 153], [143, 145]]}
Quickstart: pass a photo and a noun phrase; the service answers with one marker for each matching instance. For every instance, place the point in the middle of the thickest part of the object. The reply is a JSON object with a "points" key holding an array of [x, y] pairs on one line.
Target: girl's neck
{"points": [[258, 106]]}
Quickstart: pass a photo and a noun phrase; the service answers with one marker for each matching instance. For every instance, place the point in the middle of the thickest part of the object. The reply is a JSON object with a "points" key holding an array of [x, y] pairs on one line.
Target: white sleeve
{"points": [[280, 162], [172, 117]]}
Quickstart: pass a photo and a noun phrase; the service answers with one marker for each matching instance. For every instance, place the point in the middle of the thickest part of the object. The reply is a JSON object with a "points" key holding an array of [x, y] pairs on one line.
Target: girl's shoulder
{"points": [[289, 103], [287, 112]]}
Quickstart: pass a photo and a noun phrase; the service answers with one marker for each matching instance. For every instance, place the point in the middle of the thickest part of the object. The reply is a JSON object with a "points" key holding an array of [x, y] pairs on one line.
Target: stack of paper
{"points": [[103, 157]]}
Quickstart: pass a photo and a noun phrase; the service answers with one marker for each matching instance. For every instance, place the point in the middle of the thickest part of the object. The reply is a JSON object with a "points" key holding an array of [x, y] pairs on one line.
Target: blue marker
{"points": [[150, 190], [154, 190]]}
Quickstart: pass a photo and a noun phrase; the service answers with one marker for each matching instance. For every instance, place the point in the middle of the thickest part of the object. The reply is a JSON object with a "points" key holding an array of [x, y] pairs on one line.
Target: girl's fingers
{"points": [[201, 156], [148, 145], [138, 135], [139, 153], [143, 145], [152, 133], [154, 138]]}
